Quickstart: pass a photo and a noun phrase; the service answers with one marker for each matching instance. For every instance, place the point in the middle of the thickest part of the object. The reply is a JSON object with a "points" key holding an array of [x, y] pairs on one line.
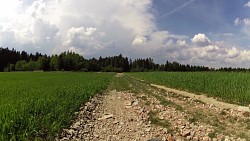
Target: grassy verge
{"points": [[232, 87], [36, 106]]}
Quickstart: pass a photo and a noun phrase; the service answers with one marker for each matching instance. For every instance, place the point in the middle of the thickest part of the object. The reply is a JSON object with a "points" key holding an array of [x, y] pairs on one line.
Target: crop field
{"points": [[233, 87], [37, 105]]}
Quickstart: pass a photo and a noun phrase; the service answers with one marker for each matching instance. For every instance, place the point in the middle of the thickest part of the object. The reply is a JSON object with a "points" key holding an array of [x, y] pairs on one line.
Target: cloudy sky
{"points": [[213, 33]]}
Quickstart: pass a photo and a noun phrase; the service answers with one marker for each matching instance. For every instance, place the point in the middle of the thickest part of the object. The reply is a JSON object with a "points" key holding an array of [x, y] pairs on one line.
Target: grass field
{"points": [[233, 87], [38, 105]]}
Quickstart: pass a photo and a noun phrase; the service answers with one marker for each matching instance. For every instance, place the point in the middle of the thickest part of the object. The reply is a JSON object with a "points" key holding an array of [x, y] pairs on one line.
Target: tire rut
{"points": [[144, 112]]}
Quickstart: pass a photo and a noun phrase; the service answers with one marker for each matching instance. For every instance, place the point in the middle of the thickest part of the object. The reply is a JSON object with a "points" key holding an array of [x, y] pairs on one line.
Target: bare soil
{"points": [[148, 112]]}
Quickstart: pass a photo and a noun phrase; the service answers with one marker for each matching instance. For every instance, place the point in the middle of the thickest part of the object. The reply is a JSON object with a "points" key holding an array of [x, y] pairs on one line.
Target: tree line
{"points": [[12, 60]]}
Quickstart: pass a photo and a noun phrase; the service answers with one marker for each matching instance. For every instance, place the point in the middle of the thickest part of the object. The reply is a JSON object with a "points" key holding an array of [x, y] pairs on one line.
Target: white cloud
{"points": [[232, 53], [237, 21], [245, 28], [140, 40], [82, 39], [228, 34], [108, 27], [247, 4], [201, 40], [55, 26], [246, 21], [182, 43], [9, 8]]}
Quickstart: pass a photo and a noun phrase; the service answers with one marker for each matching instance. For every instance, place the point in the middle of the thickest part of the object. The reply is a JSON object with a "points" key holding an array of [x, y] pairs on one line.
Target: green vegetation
{"points": [[36, 106], [156, 120], [233, 87]]}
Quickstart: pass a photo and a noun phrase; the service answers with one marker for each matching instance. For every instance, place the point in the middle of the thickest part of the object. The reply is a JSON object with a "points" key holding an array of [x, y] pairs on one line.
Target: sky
{"points": [[213, 33]]}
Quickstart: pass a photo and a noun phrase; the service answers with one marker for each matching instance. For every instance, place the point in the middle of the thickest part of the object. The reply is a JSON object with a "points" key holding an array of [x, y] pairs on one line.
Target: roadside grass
{"points": [[119, 84], [196, 116], [136, 86], [248, 124], [37, 106], [232, 87], [147, 103], [153, 117], [199, 101], [165, 102]]}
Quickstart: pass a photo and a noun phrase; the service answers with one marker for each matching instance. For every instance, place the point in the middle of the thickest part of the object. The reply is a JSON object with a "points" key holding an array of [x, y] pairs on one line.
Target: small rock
{"points": [[165, 130], [85, 131], [214, 139], [227, 138], [206, 138], [128, 103], [182, 127], [128, 107], [189, 138], [186, 133], [116, 121], [161, 117], [155, 139], [106, 117], [239, 139], [192, 134], [96, 136], [64, 139], [243, 109], [135, 102], [70, 132], [211, 106], [170, 138], [148, 129], [195, 138]]}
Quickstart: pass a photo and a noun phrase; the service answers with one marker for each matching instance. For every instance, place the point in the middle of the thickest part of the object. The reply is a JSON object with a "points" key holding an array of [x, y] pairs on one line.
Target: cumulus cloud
{"points": [[245, 25], [181, 43], [139, 40], [247, 4], [200, 40], [213, 54], [107, 27], [83, 39], [246, 21], [52, 26], [237, 21]]}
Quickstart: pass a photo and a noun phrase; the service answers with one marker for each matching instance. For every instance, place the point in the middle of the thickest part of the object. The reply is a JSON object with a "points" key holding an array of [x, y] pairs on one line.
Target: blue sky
{"points": [[213, 17], [212, 33]]}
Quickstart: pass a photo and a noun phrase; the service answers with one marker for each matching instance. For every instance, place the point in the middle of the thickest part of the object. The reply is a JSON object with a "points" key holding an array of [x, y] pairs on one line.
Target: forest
{"points": [[12, 60]]}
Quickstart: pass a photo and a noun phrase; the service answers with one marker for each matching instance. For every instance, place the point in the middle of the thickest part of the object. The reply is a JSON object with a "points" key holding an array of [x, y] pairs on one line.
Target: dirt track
{"points": [[209, 100], [145, 112]]}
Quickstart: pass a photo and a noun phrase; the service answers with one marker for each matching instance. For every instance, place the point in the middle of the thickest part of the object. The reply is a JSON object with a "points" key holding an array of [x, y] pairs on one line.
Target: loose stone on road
{"points": [[150, 114]]}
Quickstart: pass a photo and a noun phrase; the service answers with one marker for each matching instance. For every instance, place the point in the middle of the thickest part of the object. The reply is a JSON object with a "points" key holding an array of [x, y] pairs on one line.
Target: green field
{"points": [[38, 105], [233, 87]]}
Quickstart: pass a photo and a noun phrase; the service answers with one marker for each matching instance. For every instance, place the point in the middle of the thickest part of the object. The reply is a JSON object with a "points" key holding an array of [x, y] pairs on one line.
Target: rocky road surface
{"points": [[155, 115]]}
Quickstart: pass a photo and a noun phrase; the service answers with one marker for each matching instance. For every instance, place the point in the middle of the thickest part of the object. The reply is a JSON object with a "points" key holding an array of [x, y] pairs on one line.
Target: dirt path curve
{"points": [[145, 112], [205, 99]]}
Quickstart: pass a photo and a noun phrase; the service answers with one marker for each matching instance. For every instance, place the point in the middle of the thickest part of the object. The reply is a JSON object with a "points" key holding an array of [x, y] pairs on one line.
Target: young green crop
{"points": [[36, 106], [233, 87]]}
